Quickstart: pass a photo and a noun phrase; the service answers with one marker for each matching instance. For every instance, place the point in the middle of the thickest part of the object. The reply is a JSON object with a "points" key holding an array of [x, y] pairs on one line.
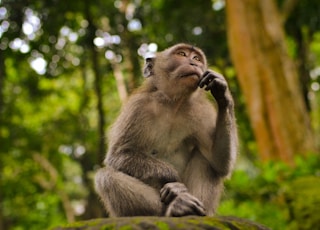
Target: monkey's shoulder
{"points": [[141, 104], [138, 105], [145, 106]]}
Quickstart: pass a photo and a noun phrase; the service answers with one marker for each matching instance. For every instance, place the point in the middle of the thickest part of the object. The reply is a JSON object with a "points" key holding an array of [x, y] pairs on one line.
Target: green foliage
{"points": [[304, 203], [276, 195]]}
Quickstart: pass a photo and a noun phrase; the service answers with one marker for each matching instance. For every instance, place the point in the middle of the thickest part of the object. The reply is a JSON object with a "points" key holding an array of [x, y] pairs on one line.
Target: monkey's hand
{"points": [[179, 202], [218, 86]]}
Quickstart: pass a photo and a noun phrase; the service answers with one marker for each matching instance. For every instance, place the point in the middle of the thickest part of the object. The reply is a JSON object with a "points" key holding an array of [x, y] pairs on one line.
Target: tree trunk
{"points": [[2, 78], [268, 79], [93, 209], [94, 55], [101, 114], [130, 47]]}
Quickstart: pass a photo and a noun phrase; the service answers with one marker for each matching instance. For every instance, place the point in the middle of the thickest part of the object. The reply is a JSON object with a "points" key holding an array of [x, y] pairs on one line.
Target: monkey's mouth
{"points": [[197, 74]]}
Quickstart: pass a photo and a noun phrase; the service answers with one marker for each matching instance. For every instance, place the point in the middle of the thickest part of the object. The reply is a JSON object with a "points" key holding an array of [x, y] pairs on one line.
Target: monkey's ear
{"points": [[148, 67]]}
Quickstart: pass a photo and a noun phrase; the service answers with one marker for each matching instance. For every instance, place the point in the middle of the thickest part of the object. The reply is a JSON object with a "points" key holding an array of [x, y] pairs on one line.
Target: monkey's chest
{"points": [[171, 142]]}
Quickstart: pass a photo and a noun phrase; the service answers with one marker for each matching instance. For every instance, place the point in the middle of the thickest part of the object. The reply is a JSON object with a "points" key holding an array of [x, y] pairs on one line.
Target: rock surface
{"points": [[190, 222]]}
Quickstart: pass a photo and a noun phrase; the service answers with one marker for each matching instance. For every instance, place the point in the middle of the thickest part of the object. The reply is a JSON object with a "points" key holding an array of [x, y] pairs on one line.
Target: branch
{"points": [[52, 185], [122, 89]]}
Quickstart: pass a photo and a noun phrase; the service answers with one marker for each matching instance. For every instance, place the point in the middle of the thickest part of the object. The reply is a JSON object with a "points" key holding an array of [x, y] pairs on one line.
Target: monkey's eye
{"points": [[182, 53], [196, 58]]}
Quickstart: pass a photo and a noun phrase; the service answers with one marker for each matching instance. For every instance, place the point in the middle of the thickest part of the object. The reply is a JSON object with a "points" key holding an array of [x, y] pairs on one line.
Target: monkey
{"points": [[171, 147]]}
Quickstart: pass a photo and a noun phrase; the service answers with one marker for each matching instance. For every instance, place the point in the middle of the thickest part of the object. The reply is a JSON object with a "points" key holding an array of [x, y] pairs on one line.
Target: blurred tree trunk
{"points": [[2, 77], [131, 62], [130, 47], [121, 85], [268, 79], [93, 208], [94, 58]]}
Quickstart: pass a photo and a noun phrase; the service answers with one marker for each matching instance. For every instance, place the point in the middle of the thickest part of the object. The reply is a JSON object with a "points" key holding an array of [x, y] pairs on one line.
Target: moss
{"points": [[125, 228], [162, 225], [89, 224], [207, 221], [165, 223]]}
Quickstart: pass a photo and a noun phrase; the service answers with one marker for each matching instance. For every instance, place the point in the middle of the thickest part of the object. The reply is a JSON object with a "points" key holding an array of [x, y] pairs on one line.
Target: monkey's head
{"points": [[179, 67]]}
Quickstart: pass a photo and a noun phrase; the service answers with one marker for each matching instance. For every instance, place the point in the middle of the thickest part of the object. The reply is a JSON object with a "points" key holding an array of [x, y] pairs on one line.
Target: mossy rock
{"points": [[166, 223]]}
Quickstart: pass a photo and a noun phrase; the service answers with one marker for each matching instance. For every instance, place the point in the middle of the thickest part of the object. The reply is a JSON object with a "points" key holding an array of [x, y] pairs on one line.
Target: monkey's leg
{"points": [[124, 195], [203, 183]]}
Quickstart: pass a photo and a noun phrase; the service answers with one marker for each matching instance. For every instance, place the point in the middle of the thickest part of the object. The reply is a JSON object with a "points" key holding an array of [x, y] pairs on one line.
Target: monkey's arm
{"points": [[223, 149], [143, 167]]}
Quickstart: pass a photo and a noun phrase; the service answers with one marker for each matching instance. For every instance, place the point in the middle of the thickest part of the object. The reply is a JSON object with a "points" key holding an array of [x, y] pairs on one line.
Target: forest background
{"points": [[67, 66]]}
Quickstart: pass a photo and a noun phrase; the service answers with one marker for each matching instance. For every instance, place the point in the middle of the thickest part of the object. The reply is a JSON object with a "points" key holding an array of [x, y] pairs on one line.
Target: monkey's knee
{"points": [[103, 180], [107, 185], [124, 195]]}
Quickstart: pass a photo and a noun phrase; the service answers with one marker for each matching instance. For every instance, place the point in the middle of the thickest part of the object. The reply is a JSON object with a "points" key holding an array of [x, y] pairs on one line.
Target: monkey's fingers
{"points": [[171, 190], [217, 84], [199, 209], [165, 196], [195, 205], [180, 207], [192, 205], [207, 77]]}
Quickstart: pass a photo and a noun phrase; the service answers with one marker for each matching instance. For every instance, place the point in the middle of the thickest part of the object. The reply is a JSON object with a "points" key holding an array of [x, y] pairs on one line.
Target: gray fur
{"points": [[170, 148]]}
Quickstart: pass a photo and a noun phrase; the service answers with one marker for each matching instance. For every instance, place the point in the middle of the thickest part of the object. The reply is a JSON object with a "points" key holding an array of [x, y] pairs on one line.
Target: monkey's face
{"points": [[176, 70], [184, 65], [186, 62]]}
